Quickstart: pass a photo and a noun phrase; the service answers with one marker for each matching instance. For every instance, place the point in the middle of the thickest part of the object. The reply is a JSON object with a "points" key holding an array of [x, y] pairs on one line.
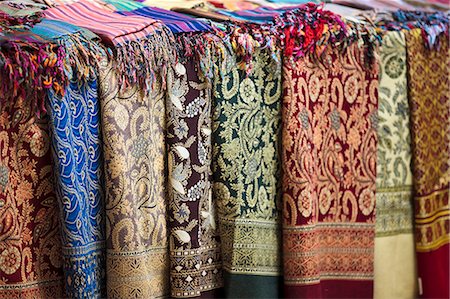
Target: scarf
{"points": [[246, 170], [329, 148], [75, 132], [428, 89], [395, 263], [141, 45]]}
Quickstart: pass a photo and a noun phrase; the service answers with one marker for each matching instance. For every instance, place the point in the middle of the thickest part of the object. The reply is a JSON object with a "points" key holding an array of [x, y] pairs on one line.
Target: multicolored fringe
{"points": [[28, 70], [309, 30], [82, 56], [245, 39], [10, 22], [432, 25], [143, 61], [208, 49], [366, 35]]}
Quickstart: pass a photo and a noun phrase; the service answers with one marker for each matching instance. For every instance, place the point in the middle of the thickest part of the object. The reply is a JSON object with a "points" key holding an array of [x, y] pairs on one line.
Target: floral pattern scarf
{"points": [[194, 241], [394, 269], [30, 240], [329, 167], [133, 124], [246, 169], [76, 147], [428, 85]]}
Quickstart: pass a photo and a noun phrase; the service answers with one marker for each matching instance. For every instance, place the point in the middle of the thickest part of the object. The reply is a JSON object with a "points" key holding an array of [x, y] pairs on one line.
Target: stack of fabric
{"points": [[224, 149]]}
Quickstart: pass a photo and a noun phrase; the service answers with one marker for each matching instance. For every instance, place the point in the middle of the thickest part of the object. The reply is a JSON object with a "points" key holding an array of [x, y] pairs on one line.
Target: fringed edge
{"points": [[367, 37], [28, 71], [145, 60], [306, 30], [432, 25], [211, 52], [83, 56], [8, 22], [310, 30], [245, 39]]}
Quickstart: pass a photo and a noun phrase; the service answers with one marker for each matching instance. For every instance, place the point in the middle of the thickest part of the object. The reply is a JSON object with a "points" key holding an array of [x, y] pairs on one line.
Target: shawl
{"points": [[194, 248], [195, 260], [30, 240], [394, 268], [428, 86], [329, 168], [142, 45], [134, 154], [246, 170], [75, 132]]}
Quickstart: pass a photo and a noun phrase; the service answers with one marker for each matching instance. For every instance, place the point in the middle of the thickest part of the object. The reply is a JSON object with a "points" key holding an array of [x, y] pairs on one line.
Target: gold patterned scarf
{"points": [[134, 152]]}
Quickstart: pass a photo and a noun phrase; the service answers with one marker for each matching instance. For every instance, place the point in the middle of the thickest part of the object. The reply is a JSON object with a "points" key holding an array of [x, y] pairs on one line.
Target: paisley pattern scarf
{"points": [[246, 127], [75, 132], [194, 241], [30, 240], [329, 168], [428, 85], [76, 146], [134, 155], [395, 273]]}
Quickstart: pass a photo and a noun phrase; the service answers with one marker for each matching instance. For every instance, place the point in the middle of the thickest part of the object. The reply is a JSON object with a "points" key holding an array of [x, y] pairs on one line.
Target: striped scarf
{"points": [[142, 45]]}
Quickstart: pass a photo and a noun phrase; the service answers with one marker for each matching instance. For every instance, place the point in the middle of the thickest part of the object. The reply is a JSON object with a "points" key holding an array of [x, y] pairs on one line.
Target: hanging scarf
{"points": [[76, 147], [30, 246], [329, 168], [133, 123], [428, 86], [395, 263], [195, 263], [246, 170]]}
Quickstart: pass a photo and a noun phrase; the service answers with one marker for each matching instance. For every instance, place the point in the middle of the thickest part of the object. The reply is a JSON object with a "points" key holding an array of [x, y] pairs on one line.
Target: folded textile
{"points": [[133, 133], [142, 45], [176, 22], [395, 262], [246, 168], [195, 257]]}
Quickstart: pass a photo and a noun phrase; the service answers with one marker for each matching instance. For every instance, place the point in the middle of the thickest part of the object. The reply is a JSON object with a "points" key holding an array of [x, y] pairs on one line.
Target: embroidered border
{"points": [[394, 211], [251, 246], [328, 251], [432, 221], [148, 268]]}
